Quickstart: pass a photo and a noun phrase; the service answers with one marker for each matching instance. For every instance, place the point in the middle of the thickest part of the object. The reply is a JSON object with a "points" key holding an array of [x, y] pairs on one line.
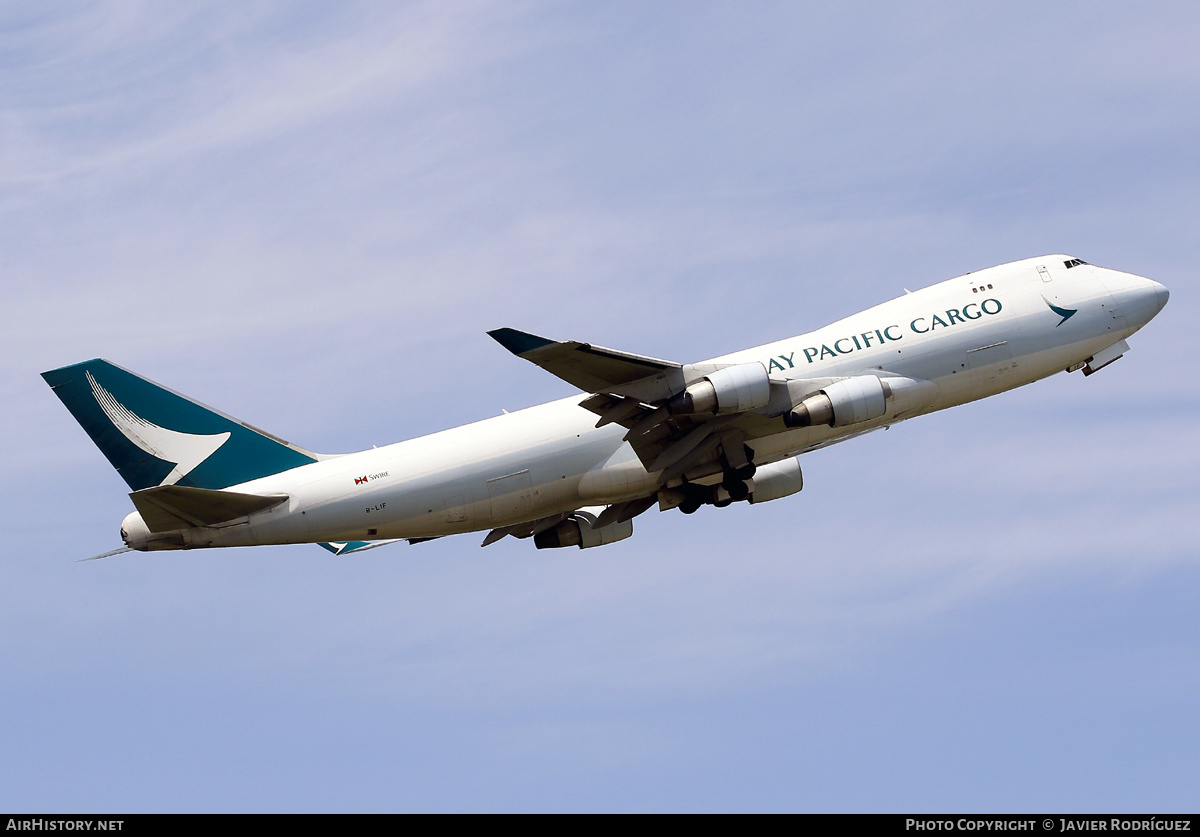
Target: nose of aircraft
{"points": [[1163, 294], [1138, 298]]}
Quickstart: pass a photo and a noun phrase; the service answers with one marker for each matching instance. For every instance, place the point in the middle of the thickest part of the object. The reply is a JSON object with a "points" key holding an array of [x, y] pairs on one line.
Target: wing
{"points": [[648, 397], [695, 426], [594, 368]]}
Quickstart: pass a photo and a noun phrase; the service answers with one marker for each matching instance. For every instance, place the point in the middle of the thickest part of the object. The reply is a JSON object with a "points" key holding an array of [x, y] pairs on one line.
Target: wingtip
{"points": [[518, 342]]}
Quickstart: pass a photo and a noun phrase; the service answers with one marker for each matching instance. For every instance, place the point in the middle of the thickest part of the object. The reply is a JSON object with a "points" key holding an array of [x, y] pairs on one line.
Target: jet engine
{"points": [[779, 479], [577, 530], [734, 389], [849, 401]]}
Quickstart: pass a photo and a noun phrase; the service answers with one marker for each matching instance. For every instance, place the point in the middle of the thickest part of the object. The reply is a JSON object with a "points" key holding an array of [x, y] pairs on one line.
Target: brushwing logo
{"points": [[1065, 313], [185, 450]]}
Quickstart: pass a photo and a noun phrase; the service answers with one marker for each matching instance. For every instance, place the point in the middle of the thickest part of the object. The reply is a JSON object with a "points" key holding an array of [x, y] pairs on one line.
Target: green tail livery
{"points": [[154, 436]]}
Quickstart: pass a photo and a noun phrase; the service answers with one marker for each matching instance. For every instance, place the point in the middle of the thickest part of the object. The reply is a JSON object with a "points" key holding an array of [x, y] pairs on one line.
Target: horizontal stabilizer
{"points": [[346, 547], [594, 368], [170, 507]]}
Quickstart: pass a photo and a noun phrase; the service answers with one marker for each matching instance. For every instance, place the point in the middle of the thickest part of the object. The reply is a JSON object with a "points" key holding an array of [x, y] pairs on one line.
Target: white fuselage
{"points": [[973, 336]]}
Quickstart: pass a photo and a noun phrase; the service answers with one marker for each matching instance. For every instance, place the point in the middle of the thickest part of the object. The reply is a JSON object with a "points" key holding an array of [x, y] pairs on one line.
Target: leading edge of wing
{"points": [[595, 368]]}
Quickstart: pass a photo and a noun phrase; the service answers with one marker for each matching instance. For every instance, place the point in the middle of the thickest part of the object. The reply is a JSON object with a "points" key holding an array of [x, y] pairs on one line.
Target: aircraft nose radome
{"points": [[1155, 296], [1138, 298], [1163, 295]]}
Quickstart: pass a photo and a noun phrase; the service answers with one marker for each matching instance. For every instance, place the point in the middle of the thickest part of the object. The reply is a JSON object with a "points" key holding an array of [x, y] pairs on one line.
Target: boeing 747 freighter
{"points": [[644, 431]]}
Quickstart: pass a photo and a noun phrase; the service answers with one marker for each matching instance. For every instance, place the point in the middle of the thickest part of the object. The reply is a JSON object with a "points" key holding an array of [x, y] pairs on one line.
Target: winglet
{"points": [[518, 342]]}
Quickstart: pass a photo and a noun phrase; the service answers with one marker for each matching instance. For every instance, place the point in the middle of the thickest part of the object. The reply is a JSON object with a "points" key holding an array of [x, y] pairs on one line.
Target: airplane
{"points": [[644, 431]]}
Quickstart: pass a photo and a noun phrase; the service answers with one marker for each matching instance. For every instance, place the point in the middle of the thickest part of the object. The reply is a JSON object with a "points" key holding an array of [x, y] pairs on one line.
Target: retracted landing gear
{"points": [[738, 469]]}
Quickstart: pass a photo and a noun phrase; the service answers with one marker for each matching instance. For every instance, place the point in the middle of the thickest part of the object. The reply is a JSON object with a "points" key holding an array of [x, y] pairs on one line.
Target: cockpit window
{"points": [[1070, 263]]}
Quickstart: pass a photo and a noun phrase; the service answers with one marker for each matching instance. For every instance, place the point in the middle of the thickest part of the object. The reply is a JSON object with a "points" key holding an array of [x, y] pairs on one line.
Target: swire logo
{"points": [[359, 480]]}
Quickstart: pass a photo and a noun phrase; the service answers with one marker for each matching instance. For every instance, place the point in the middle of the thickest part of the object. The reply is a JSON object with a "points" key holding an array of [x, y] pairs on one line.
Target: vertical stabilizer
{"points": [[154, 436]]}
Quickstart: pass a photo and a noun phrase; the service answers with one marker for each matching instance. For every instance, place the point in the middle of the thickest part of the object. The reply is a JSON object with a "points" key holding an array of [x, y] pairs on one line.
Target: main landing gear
{"points": [[738, 468]]}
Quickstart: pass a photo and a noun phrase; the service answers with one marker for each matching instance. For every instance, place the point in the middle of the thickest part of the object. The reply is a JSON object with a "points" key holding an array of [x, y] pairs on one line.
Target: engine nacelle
{"points": [[734, 389], [779, 479], [577, 530], [849, 401]]}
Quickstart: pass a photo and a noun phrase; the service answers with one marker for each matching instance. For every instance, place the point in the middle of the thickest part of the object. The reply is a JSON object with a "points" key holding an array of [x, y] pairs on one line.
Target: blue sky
{"points": [[308, 216]]}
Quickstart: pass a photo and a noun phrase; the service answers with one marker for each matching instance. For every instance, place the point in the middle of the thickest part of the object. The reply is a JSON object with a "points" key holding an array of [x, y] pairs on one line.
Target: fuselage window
{"points": [[1073, 263]]}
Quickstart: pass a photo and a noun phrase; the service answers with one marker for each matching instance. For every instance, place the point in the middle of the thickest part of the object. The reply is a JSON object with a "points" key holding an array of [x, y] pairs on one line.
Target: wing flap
{"points": [[167, 508]]}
